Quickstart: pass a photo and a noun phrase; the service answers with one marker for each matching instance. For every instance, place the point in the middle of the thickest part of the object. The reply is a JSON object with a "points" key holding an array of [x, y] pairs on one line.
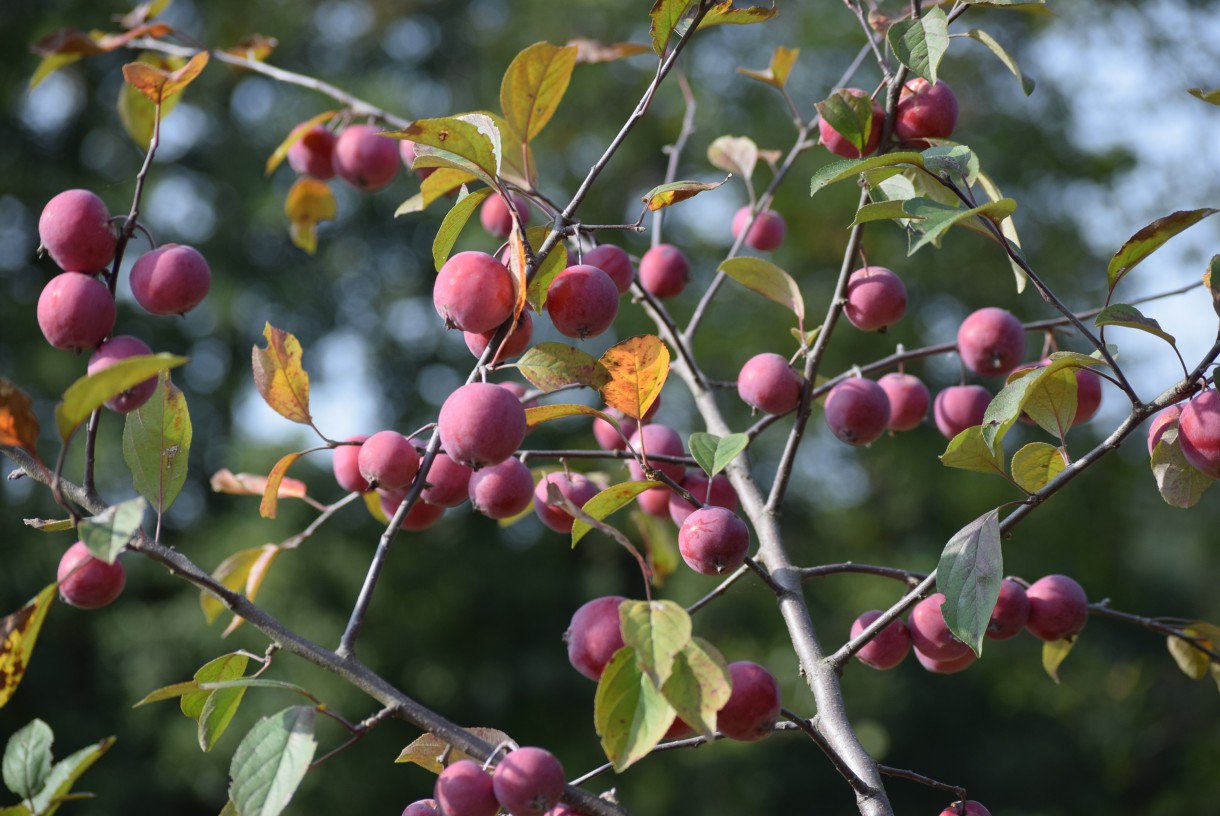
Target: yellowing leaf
{"points": [[607, 501], [545, 413], [629, 713], [725, 13], [441, 182], [137, 114], [309, 201], [1034, 465], [254, 484], [1054, 652], [553, 365], [294, 136], [556, 261], [533, 86], [234, 573], [18, 633], [665, 16], [768, 280], [1193, 663], [668, 194], [279, 377], [18, 422], [428, 751], [91, 391], [470, 142], [271, 492], [777, 73], [254, 47], [699, 685], [734, 154], [637, 367], [592, 51], [159, 85]]}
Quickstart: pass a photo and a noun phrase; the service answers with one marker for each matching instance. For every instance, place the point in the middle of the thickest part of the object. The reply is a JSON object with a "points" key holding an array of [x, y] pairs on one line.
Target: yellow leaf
{"points": [[309, 201], [533, 86], [271, 491], [18, 632], [1054, 652], [638, 367], [258, 571], [279, 377], [668, 194], [777, 73], [233, 573]]}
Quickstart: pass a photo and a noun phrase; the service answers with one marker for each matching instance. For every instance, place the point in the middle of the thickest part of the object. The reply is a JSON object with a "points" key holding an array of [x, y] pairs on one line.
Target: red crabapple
{"points": [[768, 230], [838, 144], [448, 482], [171, 279], [575, 487], [87, 582], [655, 501], [594, 635], [365, 159], [424, 807], [465, 789], [473, 292], [514, 345], [388, 460], [582, 301], [502, 490], [857, 411], [75, 311], [1199, 432], [888, 648], [528, 781], [664, 271], [973, 808], [1011, 611], [768, 383], [713, 540], [929, 632], [481, 424], [1161, 423], [75, 230], [615, 262], [909, 399], [519, 391], [657, 440], [753, 706], [406, 151], [722, 494], [494, 215], [1058, 607], [346, 466], [421, 516], [114, 350], [608, 438], [313, 154], [946, 666], [876, 298], [925, 111], [959, 407], [991, 341]]}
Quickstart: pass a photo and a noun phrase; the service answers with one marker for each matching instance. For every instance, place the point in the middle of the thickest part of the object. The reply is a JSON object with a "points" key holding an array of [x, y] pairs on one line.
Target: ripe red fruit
{"points": [[502, 490], [946, 666], [991, 342], [495, 218], [973, 808], [1011, 611], [888, 648], [582, 301], [364, 159], [1161, 423], [346, 466], [615, 262], [713, 540], [768, 383], [481, 424], [594, 635], [655, 502], [388, 460], [839, 145], [753, 705], [857, 411], [876, 298], [87, 582], [169, 280], [1058, 607], [722, 494], [1199, 432], [768, 230], [664, 271], [313, 154], [515, 344], [424, 807], [75, 230], [406, 151], [465, 789], [75, 311], [114, 350], [575, 487], [909, 400], [473, 292], [421, 516], [958, 407], [655, 439], [528, 781], [929, 632], [448, 482], [925, 111]]}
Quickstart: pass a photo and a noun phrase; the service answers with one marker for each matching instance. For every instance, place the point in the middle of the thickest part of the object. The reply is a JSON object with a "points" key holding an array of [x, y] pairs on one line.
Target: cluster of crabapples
{"points": [[925, 111], [528, 781]]}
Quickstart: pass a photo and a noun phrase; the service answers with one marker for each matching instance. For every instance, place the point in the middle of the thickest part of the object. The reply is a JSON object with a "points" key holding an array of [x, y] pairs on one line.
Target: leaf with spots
{"points": [[279, 376], [156, 444], [18, 633]]}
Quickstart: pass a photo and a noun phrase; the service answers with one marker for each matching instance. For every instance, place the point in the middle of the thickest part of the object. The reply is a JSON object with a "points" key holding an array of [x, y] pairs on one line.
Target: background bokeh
{"points": [[469, 617]]}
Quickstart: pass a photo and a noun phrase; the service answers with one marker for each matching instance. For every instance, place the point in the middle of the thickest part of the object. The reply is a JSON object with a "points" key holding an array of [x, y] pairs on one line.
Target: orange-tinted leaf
{"points": [[518, 264], [669, 194], [254, 484], [533, 86], [777, 72], [18, 633], [271, 493], [589, 52], [638, 367], [309, 201], [255, 47], [18, 423], [724, 13], [432, 753], [294, 136], [159, 85], [234, 574], [258, 571], [143, 13], [71, 41], [279, 377]]}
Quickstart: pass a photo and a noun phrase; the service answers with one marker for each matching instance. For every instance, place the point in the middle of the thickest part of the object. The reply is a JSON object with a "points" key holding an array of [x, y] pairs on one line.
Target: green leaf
{"points": [[217, 713], [851, 115], [1122, 314], [1022, 5], [920, 44], [106, 534], [27, 759], [1006, 407], [1051, 401], [656, 630], [1179, 484], [555, 262], [660, 539], [725, 13], [673, 192], [699, 685], [1211, 97], [454, 221], [609, 501], [937, 218], [91, 391], [1054, 652], [533, 86], [629, 713], [1009, 231], [225, 667], [470, 142], [953, 161], [553, 365], [969, 451], [665, 16], [1034, 465], [1027, 84], [271, 761], [713, 453], [969, 573], [156, 444], [881, 211], [64, 775], [1149, 239], [545, 413], [768, 280], [847, 168]]}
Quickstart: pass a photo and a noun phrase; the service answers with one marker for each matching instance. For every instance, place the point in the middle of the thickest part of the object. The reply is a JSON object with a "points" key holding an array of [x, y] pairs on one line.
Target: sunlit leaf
{"points": [[920, 43], [454, 221], [470, 142], [725, 13], [91, 391], [777, 72], [143, 13], [27, 759], [1008, 229], [969, 573], [533, 86], [713, 453], [441, 182], [18, 422], [609, 501], [254, 484], [1149, 239], [271, 761], [18, 634], [734, 154], [137, 114], [1193, 663], [936, 218], [637, 368], [553, 365], [67, 45], [157, 443], [698, 686], [271, 493], [969, 451], [629, 713], [545, 413], [768, 280], [556, 261], [1054, 652], [657, 631], [1122, 314], [281, 151], [428, 751], [309, 201], [848, 168], [665, 16], [1211, 97], [1211, 279], [159, 85], [279, 376], [676, 191], [253, 47], [108, 533], [1035, 465], [64, 775], [851, 115], [1027, 84], [234, 574]]}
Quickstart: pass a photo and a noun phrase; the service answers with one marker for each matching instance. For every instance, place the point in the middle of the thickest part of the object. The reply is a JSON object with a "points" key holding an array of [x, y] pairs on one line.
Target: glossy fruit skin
{"points": [[313, 154], [930, 634], [594, 635], [114, 350], [514, 345], [346, 466], [465, 789], [958, 407], [528, 781], [889, 648], [973, 808], [75, 230], [768, 383], [582, 301], [1011, 611], [448, 482], [75, 311], [502, 490], [1058, 607], [481, 424], [575, 487], [87, 582], [857, 411], [1161, 423], [766, 234], [1199, 432], [615, 262], [840, 146], [473, 292], [722, 494], [713, 540], [657, 439], [171, 279], [753, 706], [664, 271], [364, 159], [494, 215], [876, 298], [953, 666], [406, 151], [991, 342], [424, 807], [388, 460], [909, 400], [925, 111]]}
